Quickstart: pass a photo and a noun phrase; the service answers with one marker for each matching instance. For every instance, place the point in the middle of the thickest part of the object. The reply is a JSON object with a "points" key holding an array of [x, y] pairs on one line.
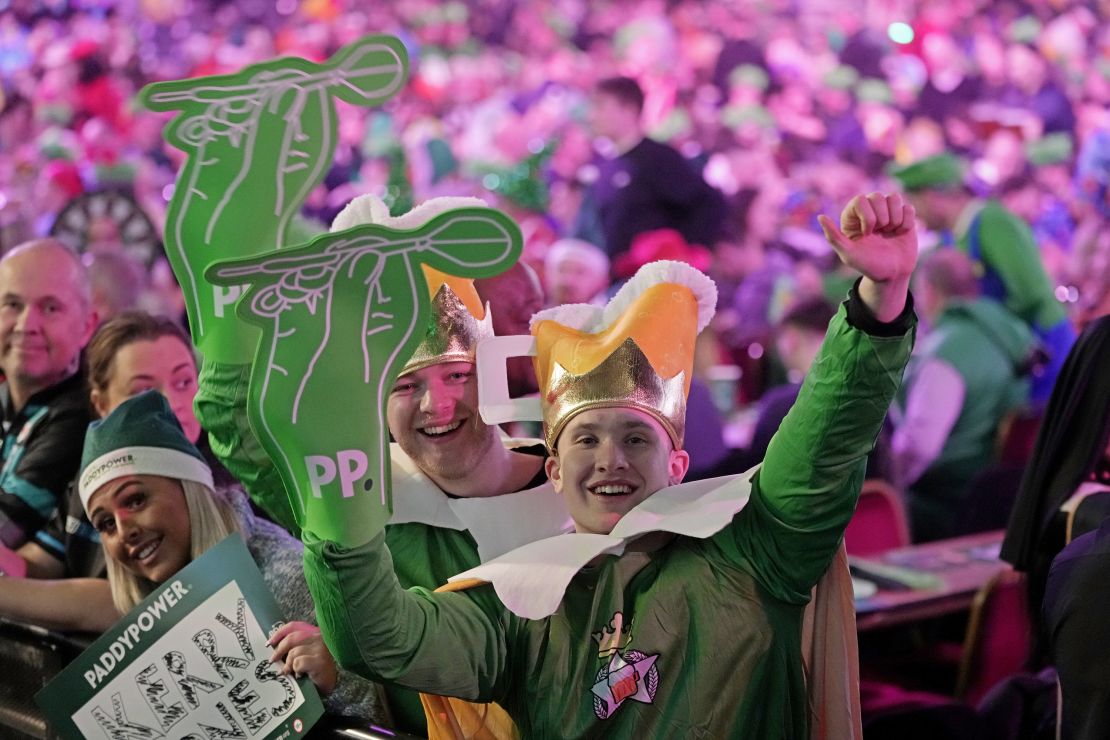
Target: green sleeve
{"points": [[453, 644], [221, 406], [1010, 249], [806, 491]]}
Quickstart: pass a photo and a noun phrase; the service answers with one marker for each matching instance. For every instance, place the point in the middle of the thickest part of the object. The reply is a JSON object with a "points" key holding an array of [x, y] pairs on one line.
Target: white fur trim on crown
{"points": [[665, 271], [581, 316], [370, 209], [592, 319]]}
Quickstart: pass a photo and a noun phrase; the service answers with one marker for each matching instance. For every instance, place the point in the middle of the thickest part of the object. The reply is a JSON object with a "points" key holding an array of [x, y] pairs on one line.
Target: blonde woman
{"points": [[149, 495]]}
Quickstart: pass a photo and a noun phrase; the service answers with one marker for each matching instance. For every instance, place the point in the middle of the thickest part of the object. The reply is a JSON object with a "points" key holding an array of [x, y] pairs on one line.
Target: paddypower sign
{"points": [[190, 661]]}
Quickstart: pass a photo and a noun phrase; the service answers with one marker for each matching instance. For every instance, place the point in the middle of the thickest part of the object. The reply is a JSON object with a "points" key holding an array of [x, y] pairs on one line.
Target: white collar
{"points": [[531, 580], [498, 524]]}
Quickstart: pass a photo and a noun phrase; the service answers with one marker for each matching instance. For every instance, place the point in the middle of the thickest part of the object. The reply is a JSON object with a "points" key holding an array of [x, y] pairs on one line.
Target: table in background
{"points": [[957, 569]]}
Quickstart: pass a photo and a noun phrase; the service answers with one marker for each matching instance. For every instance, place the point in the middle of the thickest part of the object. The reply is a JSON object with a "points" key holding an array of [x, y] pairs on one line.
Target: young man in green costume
{"points": [[461, 494], [674, 610]]}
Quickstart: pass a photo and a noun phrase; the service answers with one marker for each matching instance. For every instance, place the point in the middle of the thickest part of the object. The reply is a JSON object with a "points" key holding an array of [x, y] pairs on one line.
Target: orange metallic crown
{"points": [[458, 322], [642, 357]]}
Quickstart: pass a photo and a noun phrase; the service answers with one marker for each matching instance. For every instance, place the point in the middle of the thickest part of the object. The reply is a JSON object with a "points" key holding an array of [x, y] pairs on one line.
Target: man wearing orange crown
{"points": [[674, 610], [461, 493]]}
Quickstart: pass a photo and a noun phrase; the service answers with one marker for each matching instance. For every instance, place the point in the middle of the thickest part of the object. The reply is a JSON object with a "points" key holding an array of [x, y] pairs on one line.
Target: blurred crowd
{"points": [[787, 107], [992, 118]]}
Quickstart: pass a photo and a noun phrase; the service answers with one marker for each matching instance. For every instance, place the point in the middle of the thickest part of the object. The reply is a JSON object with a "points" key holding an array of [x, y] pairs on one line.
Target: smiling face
{"points": [[45, 318], [143, 522], [165, 365], [607, 461], [433, 415]]}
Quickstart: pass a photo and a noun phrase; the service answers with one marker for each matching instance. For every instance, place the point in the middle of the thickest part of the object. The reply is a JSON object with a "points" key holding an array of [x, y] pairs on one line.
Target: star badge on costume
{"points": [[631, 674]]}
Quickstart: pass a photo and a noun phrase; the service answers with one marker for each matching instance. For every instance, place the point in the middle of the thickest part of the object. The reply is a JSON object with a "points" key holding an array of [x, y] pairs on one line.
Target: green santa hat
{"points": [[140, 437], [939, 172]]}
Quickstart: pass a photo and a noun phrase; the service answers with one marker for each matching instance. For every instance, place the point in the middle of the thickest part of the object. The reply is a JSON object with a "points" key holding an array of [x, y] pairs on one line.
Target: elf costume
{"points": [[705, 635]]}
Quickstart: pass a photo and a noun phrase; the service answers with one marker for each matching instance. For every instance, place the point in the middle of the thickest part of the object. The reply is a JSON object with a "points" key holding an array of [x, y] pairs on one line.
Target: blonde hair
{"points": [[212, 517]]}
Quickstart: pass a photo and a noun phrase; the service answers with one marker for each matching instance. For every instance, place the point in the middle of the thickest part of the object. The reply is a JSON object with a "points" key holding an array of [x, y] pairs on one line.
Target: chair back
{"points": [[1017, 435], [1088, 514], [879, 523], [988, 500], [998, 636]]}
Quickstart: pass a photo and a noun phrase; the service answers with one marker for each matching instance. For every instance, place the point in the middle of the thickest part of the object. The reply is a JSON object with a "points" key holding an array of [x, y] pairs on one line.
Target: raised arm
{"points": [[877, 237], [454, 644], [221, 406], [806, 491]]}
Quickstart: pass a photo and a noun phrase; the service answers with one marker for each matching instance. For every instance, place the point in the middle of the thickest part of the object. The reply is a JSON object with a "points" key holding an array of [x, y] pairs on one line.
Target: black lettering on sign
{"points": [[242, 696], [154, 690], [118, 727], [205, 640], [232, 732], [267, 671], [188, 684], [239, 628]]}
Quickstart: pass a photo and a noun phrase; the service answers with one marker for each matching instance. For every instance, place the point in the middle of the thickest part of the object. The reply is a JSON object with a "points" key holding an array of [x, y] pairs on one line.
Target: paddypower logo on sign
{"points": [[209, 675], [96, 472]]}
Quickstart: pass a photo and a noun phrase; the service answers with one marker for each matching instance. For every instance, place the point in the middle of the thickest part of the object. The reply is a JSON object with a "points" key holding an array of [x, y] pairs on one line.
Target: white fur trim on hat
{"points": [[163, 461]]}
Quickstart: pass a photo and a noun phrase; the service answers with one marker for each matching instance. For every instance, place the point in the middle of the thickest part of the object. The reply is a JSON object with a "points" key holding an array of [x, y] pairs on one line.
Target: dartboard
{"points": [[137, 232]]}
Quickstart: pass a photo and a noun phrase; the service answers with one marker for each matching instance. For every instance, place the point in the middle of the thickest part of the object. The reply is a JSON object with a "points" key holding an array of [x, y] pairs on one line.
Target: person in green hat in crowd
{"points": [[1003, 249], [672, 611], [149, 494]]}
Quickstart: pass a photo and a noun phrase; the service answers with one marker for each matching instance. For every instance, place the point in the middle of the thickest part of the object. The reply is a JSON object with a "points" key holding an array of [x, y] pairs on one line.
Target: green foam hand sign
{"points": [[258, 141], [339, 319]]}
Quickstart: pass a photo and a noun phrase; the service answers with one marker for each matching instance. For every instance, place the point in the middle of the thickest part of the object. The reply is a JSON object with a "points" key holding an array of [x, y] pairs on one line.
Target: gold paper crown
{"points": [[642, 357], [458, 322]]}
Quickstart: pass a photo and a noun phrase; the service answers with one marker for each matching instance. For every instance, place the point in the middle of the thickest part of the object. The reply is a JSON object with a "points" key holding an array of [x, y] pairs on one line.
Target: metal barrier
{"points": [[30, 657]]}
